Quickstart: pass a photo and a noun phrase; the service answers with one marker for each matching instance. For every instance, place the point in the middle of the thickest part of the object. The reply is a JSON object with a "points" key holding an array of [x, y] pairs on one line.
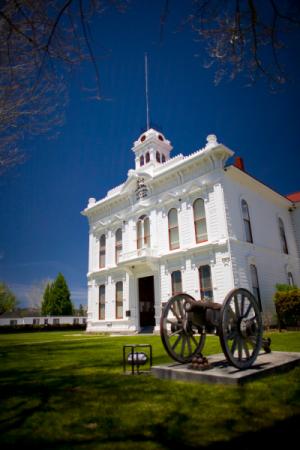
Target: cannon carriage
{"points": [[237, 321]]}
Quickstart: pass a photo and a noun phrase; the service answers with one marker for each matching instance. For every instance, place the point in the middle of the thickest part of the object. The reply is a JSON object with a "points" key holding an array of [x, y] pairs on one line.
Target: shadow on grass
{"points": [[93, 402], [79, 399], [281, 434], [170, 437]]}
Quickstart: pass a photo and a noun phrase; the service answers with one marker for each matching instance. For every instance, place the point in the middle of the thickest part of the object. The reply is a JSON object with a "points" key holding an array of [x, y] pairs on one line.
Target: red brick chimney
{"points": [[239, 163]]}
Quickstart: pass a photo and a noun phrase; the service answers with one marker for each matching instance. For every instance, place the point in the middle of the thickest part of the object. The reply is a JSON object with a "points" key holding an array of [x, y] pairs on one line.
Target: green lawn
{"points": [[66, 390]]}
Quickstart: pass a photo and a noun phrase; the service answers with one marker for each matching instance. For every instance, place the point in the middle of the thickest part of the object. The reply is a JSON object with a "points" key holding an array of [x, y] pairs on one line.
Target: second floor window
{"points": [[142, 160], [147, 157], [176, 282], [246, 220], [284, 246], [102, 251], [255, 285], [102, 302], [200, 220], [119, 300], [118, 249], [173, 229], [143, 232], [290, 279], [206, 289]]}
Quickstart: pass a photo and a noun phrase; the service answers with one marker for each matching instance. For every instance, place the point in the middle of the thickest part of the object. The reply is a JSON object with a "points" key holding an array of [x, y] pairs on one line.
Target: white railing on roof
{"points": [[115, 190], [138, 253]]}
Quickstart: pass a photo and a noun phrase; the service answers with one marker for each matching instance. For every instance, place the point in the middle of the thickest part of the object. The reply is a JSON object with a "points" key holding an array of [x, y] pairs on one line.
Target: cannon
{"points": [[237, 321]]}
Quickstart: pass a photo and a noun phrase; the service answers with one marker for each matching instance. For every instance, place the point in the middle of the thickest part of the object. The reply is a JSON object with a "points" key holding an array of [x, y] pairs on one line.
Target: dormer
{"points": [[151, 149]]}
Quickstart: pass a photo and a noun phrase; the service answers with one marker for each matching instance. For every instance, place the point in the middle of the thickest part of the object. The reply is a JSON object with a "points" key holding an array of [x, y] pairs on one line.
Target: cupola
{"points": [[151, 149]]}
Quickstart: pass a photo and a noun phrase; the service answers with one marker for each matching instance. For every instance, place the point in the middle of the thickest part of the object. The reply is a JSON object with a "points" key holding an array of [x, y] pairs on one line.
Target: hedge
{"points": [[287, 304]]}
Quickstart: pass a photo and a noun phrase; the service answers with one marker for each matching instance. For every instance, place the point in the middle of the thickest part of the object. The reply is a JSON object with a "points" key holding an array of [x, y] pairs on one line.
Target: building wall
{"points": [[265, 252], [188, 258], [295, 214]]}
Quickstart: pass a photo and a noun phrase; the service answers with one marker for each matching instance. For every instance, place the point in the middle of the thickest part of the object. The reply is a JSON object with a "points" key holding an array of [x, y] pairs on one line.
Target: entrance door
{"points": [[146, 301]]}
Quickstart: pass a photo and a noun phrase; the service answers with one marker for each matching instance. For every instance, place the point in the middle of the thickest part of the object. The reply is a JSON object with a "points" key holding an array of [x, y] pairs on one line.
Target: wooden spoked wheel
{"points": [[180, 337], [240, 328]]}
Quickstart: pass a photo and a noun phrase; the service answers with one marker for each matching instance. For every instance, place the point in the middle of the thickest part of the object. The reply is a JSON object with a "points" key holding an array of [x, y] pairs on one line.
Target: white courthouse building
{"points": [[194, 224]]}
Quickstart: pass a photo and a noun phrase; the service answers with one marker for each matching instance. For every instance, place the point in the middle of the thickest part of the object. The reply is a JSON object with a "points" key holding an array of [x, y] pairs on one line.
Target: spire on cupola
{"points": [[151, 149]]}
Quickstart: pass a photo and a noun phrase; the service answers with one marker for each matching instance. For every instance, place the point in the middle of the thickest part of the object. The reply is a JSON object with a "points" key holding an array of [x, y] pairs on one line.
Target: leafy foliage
{"points": [[8, 301], [57, 298], [285, 287], [287, 303]]}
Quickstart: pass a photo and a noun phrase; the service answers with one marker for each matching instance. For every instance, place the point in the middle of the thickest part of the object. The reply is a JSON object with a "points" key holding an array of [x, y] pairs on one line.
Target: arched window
{"points": [[284, 246], [143, 232], [141, 160], [102, 302], [158, 157], [206, 289], [290, 279], [200, 220], [102, 251], [163, 158], [246, 219], [119, 300], [147, 157], [146, 232], [255, 285], [173, 229], [118, 247], [176, 282]]}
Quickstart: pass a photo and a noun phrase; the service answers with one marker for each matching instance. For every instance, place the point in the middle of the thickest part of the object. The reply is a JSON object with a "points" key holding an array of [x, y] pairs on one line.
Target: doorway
{"points": [[146, 301]]}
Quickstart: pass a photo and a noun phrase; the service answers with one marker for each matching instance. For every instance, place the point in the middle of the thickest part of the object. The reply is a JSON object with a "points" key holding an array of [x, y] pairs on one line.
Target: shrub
{"points": [[285, 287], [287, 304]]}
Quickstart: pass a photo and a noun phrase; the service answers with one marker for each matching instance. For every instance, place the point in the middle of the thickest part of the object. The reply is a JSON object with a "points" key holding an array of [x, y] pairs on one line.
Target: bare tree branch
{"points": [[242, 36], [42, 40]]}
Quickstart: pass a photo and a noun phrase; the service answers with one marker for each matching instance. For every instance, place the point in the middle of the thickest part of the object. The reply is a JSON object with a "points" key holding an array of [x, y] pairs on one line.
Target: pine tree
{"points": [[46, 303], [57, 298], [61, 297]]}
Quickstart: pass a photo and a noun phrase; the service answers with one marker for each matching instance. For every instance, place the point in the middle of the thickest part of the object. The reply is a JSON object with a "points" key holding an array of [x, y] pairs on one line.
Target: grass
{"points": [[66, 390]]}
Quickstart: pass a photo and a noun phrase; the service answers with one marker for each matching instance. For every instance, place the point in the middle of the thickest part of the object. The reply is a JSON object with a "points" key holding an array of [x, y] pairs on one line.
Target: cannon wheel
{"points": [[180, 337], [241, 328]]}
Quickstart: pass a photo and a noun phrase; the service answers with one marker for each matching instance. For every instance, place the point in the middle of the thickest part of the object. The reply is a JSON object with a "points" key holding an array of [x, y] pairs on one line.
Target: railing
{"points": [[138, 253]]}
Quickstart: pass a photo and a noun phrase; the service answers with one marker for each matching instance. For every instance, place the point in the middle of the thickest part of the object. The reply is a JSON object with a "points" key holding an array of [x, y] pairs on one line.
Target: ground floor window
{"points": [[206, 289], [255, 285], [102, 302], [290, 279], [176, 282], [119, 300]]}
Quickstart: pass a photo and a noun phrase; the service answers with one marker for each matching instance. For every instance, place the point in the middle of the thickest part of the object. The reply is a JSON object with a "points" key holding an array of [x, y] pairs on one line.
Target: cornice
{"points": [[211, 158]]}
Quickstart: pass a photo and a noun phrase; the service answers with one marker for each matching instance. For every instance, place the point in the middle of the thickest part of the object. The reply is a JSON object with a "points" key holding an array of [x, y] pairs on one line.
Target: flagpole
{"points": [[146, 91]]}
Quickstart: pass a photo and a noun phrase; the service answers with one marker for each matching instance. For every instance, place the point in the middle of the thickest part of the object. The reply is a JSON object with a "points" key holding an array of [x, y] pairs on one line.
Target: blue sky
{"points": [[41, 229]]}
